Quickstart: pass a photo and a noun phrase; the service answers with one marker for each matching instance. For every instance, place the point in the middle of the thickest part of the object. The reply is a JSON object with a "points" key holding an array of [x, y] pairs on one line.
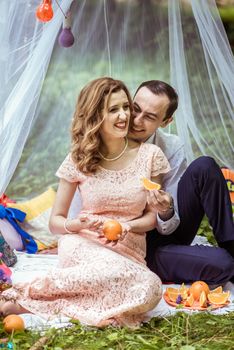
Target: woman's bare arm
{"points": [[61, 205], [145, 223]]}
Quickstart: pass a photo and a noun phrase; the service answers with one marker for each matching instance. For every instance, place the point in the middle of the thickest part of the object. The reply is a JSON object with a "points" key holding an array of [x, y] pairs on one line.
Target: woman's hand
{"points": [[89, 222], [126, 228], [84, 221]]}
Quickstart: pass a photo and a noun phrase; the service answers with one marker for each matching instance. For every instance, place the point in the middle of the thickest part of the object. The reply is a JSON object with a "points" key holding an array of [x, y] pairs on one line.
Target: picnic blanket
{"points": [[30, 266]]}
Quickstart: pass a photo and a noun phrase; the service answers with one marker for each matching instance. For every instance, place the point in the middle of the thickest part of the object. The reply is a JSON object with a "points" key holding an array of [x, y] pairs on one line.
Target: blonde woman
{"points": [[98, 283]]}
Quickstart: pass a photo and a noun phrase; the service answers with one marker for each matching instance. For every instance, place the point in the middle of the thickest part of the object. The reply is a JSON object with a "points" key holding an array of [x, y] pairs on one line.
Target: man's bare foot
{"points": [[10, 308]]}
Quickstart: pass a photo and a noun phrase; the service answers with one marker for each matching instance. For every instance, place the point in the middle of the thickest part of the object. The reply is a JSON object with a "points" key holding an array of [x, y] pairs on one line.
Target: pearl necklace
{"points": [[120, 155]]}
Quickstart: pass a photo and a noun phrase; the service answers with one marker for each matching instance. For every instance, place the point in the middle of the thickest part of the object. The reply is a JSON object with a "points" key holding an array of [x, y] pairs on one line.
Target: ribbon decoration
{"points": [[4, 200], [12, 215]]}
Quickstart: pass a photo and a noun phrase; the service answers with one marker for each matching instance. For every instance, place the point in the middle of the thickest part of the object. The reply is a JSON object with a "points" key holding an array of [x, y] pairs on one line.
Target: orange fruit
{"points": [[150, 185], [13, 323], [112, 230], [189, 301], [197, 288], [203, 299], [218, 298], [217, 290]]}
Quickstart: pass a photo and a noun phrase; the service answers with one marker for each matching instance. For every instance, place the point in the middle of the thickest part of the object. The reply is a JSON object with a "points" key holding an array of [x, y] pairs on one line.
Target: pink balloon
{"points": [[10, 235]]}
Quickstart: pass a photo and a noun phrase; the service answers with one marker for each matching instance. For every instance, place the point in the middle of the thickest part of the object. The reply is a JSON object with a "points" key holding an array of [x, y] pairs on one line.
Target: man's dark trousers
{"points": [[201, 190]]}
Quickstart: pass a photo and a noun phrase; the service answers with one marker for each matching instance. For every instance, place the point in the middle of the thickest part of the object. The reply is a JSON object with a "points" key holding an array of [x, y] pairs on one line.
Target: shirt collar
{"points": [[152, 138]]}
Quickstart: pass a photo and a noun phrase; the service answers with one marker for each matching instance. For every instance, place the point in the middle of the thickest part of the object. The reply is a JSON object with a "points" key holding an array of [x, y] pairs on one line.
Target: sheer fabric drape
{"points": [[183, 43], [27, 49], [202, 71]]}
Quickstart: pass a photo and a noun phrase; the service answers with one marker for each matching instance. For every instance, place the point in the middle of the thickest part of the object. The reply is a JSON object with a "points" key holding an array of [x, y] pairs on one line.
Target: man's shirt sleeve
{"points": [[170, 184], [169, 226]]}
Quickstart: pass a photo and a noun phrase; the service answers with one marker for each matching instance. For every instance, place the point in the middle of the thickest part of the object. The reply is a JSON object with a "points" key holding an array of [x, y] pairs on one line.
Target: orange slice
{"points": [[173, 294], [172, 290], [203, 299], [189, 301], [217, 290], [150, 185], [218, 298], [183, 289]]}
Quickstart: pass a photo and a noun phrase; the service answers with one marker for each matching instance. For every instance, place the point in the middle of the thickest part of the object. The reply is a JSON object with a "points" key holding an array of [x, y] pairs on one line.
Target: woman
{"points": [[99, 283]]}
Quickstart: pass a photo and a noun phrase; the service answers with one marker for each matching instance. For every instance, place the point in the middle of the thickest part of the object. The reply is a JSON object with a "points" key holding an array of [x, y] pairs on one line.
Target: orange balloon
{"points": [[44, 11], [112, 230], [13, 323], [197, 288]]}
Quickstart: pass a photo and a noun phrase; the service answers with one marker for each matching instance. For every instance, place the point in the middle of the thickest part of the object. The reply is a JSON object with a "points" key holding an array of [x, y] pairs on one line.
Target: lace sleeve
{"points": [[160, 164], [68, 170]]}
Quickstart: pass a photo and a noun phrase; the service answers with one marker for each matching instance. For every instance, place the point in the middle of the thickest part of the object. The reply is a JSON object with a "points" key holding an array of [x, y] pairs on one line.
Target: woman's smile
{"points": [[121, 125]]}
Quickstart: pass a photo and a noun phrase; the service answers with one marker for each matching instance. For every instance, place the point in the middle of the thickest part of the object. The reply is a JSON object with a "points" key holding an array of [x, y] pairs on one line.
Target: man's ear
{"points": [[166, 122]]}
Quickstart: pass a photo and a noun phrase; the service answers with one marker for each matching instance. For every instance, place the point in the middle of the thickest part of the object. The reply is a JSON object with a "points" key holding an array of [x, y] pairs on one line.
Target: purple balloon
{"points": [[66, 38]]}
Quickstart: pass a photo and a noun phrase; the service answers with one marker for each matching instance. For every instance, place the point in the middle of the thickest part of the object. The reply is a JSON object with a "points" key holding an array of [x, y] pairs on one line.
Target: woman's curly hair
{"points": [[88, 117]]}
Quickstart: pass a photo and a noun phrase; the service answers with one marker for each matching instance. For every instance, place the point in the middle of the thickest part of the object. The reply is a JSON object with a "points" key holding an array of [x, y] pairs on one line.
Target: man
{"points": [[195, 190]]}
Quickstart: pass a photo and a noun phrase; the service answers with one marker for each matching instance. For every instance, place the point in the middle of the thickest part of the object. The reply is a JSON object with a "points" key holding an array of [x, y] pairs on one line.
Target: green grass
{"points": [[180, 332], [227, 13], [205, 230]]}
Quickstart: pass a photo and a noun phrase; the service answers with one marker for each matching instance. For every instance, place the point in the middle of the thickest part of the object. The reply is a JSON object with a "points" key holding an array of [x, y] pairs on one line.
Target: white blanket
{"points": [[30, 266]]}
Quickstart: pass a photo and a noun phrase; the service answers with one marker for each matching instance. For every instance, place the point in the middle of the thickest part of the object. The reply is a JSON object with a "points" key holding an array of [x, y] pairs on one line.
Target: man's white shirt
{"points": [[174, 151]]}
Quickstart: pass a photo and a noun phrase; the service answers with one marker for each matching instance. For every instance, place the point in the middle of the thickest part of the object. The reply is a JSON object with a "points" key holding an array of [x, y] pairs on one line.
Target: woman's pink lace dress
{"points": [[96, 282]]}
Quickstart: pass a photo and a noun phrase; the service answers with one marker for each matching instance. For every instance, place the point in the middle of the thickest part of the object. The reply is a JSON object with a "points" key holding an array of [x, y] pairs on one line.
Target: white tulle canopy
{"points": [[180, 42]]}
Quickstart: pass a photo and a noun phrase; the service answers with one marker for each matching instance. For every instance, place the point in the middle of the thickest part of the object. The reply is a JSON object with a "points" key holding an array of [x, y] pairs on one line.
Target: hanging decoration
{"points": [[66, 38], [44, 12]]}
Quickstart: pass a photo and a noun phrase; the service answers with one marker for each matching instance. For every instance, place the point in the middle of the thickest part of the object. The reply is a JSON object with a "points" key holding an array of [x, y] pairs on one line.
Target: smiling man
{"points": [[188, 194]]}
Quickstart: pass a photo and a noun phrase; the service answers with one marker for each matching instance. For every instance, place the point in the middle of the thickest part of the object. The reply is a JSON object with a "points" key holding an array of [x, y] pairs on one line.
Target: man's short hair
{"points": [[158, 87]]}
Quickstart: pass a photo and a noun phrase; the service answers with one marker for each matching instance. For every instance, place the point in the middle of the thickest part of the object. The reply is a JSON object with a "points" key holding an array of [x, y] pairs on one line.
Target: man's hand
{"points": [[161, 202]]}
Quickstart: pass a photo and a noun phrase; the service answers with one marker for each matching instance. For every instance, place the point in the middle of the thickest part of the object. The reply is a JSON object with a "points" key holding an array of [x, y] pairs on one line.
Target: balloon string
{"points": [[108, 39], [60, 8]]}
